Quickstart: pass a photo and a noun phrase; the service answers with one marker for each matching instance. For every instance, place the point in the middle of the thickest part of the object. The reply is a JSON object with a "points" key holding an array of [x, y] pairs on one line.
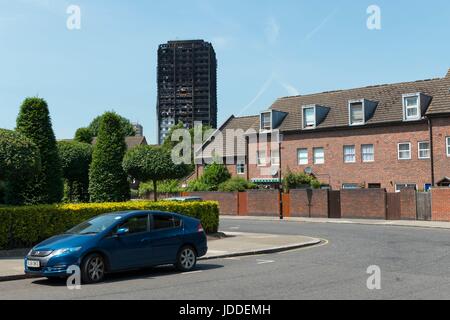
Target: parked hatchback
{"points": [[120, 241]]}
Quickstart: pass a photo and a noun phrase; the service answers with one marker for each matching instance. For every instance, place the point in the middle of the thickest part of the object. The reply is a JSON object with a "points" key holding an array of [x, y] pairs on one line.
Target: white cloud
{"points": [[272, 30], [291, 90]]}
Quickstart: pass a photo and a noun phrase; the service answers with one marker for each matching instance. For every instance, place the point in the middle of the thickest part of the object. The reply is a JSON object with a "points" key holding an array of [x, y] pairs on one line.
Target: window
{"points": [[368, 153], [266, 121], [404, 151], [349, 154], [240, 167], [411, 105], [357, 113], [448, 146], [374, 185], [309, 118], [424, 150], [302, 155], [275, 157], [136, 224], [402, 186], [261, 156], [319, 156], [161, 222], [350, 186]]}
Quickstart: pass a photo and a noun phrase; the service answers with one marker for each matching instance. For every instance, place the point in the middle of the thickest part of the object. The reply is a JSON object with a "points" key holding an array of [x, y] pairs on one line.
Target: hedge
{"points": [[23, 227]]}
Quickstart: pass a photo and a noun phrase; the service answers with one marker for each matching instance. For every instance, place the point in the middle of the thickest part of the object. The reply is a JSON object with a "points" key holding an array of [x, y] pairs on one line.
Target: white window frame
{"points": [[263, 128], [262, 161], [240, 165], [405, 108], [275, 161], [315, 158], [447, 139], [404, 184], [298, 157], [354, 153], [304, 126], [350, 104], [419, 149], [351, 186], [362, 152], [410, 150]]}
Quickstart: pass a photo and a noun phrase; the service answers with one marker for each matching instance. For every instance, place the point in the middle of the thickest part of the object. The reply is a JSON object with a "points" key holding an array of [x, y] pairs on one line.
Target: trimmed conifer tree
{"points": [[107, 179], [34, 123]]}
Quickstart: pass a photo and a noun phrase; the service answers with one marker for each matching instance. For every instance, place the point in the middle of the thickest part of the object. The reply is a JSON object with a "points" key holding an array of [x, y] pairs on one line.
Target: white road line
{"points": [[192, 272], [265, 261]]}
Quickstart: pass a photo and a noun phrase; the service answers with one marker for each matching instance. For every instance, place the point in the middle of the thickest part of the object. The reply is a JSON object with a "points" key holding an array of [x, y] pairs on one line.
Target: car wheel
{"points": [[187, 259], [93, 269]]}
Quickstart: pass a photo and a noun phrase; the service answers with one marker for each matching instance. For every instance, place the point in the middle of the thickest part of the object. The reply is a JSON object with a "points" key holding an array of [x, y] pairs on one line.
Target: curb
{"points": [[263, 251], [224, 256]]}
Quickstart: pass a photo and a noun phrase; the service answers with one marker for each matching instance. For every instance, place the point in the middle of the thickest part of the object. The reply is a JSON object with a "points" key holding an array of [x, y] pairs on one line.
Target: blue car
{"points": [[118, 242]]}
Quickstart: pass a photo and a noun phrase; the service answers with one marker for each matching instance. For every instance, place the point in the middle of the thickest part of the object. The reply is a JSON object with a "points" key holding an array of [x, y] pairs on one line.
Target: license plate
{"points": [[33, 264]]}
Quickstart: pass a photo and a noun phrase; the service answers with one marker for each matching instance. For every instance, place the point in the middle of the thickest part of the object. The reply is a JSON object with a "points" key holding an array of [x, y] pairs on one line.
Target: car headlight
{"points": [[61, 252]]}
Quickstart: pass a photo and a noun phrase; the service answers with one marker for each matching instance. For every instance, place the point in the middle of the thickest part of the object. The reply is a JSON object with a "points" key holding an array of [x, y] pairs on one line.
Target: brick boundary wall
{"points": [[440, 204], [363, 204], [299, 203], [228, 201], [408, 205], [263, 203]]}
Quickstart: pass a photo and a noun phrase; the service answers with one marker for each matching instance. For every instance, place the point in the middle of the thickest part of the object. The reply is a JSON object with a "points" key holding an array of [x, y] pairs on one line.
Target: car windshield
{"points": [[96, 225]]}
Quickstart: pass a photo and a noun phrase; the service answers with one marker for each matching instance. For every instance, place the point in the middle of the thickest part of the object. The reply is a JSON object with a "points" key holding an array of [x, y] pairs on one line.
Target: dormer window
{"points": [[309, 117], [411, 107], [357, 113], [266, 121]]}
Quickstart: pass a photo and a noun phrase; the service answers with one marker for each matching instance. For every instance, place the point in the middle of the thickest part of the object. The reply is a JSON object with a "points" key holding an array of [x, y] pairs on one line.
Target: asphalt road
{"points": [[414, 263]]}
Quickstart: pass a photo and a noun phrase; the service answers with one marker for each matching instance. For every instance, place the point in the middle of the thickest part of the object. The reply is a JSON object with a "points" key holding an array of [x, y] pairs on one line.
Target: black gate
{"points": [[334, 205], [424, 206]]}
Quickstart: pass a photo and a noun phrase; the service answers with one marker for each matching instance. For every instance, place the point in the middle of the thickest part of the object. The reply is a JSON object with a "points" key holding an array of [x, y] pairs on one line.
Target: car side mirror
{"points": [[122, 231]]}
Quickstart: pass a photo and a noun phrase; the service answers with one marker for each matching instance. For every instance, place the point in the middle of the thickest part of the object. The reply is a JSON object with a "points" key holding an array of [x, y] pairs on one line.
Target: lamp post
{"points": [[280, 140]]}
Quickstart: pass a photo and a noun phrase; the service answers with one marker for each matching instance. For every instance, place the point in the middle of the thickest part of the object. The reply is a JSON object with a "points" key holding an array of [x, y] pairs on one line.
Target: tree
{"points": [[19, 163], [125, 125], [84, 135], [214, 175], [107, 179], [34, 123], [236, 184], [76, 158], [149, 163], [300, 180]]}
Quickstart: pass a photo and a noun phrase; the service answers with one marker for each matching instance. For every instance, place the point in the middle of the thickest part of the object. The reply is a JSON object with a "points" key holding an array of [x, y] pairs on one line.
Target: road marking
{"points": [[236, 259], [265, 261], [192, 272], [235, 228]]}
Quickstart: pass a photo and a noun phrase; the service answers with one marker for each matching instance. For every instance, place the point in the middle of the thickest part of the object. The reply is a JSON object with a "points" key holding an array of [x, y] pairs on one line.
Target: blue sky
{"points": [[265, 50]]}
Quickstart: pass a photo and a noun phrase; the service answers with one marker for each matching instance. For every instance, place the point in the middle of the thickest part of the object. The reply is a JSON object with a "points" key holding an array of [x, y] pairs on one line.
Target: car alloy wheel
{"points": [[94, 269], [187, 259]]}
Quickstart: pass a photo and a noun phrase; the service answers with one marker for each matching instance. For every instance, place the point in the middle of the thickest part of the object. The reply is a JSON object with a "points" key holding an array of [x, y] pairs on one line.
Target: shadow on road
{"points": [[147, 273]]}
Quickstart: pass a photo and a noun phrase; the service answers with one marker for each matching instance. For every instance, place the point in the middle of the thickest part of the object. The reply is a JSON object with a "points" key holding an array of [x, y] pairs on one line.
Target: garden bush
{"points": [[23, 227]]}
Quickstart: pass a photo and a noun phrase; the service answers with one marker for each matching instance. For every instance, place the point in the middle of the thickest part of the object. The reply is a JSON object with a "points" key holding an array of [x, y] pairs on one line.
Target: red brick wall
{"points": [[440, 204], [386, 169], [228, 201], [364, 204], [299, 203], [264, 203], [408, 205]]}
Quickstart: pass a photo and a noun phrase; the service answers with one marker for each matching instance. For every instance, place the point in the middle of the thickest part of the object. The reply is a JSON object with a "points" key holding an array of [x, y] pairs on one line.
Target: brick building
{"points": [[388, 136]]}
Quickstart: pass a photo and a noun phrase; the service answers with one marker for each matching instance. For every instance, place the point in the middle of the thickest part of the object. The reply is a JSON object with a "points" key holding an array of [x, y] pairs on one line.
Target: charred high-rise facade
{"points": [[187, 85]]}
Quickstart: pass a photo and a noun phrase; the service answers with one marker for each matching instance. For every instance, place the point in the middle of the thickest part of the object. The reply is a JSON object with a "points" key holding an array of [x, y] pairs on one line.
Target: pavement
{"points": [[413, 263], [398, 223], [234, 244]]}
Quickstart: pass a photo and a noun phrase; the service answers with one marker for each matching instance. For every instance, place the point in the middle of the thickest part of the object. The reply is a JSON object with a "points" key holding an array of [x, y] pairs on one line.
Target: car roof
{"points": [[131, 213]]}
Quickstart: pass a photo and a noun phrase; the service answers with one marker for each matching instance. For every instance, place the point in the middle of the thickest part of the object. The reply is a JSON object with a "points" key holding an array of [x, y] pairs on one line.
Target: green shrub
{"points": [[125, 125], [34, 123], [76, 158], [23, 227], [214, 175], [300, 180], [198, 186], [84, 135], [19, 163], [108, 182], [167, 186], [236, 184]]}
